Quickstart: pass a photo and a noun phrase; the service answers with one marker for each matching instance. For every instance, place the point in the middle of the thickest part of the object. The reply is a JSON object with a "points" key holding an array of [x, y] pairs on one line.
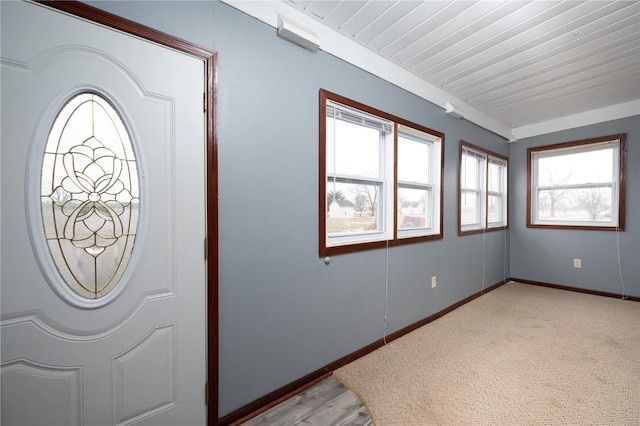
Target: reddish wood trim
{"points": [[483, 150], [508, 192], [440, 234], [482, 231], [622, 194], [459, 186], [580, 142], [417, 239], [279, 395], [108, 19], [210, 60], [322, 175], [352, 248], [212, 240], [576, 227], [622, 137], [529, 182], [576, 289]]}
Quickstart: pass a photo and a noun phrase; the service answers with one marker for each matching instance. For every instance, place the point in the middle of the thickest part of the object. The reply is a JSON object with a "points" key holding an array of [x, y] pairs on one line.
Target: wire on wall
{"points": [[386, 293], [485, 225], [505, 270], [624, 290], [484, 233]]}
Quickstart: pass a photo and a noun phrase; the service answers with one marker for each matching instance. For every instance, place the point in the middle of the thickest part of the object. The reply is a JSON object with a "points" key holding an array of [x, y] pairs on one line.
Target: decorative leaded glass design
{"points": [[89, 195]]}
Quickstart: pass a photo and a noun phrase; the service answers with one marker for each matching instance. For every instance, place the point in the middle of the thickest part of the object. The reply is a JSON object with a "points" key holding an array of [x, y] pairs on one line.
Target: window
{"points": [[380, 178], [577, 185], [89, 197], [483, 190]]}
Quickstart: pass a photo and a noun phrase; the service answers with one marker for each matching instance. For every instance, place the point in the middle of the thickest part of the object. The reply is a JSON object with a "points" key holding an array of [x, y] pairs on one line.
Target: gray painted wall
{"points": [[283, 313], [547, 254]]}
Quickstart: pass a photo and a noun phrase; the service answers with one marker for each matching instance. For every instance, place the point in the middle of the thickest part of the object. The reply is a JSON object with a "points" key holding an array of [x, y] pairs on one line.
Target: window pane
{"points": [[469, 173], [414, 206], [495, 209], [89, 195], [578, 205], [413, 160], [574, 168], [496, 177], [469, 208], [353, 207], [353, 149]]}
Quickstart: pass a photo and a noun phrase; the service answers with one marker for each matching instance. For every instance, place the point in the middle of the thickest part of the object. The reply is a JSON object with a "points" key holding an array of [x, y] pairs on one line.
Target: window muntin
{"points": [[380, 178], [483, 190], [577, 185], [414, 156], [89, 196]]}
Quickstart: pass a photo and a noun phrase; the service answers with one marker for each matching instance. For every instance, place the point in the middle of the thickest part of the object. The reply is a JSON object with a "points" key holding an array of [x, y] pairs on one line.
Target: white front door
{"points": [[76, 350]]}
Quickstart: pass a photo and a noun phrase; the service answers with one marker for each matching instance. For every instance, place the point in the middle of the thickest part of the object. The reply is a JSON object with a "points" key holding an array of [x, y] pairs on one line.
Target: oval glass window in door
{"points": [[89, 195]]}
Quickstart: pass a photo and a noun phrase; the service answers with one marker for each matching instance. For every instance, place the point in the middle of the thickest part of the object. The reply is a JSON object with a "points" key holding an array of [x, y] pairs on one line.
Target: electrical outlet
{"points": [[577, 263], [433, 282]]}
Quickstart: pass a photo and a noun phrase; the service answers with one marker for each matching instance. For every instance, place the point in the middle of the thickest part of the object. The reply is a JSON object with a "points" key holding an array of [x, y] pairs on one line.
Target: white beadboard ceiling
{"points": [[517, 68]]}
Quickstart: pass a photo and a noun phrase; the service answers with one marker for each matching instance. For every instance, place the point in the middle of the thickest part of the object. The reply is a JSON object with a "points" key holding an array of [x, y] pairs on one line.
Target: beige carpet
{"points": [[519, 355]]}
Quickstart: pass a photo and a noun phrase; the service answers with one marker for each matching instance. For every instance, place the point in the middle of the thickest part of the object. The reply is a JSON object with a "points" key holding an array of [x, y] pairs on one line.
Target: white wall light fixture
{"points": [[296, 34]]}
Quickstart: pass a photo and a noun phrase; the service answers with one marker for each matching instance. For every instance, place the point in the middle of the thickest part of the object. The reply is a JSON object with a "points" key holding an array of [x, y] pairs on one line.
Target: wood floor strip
{"points": [[359, 417], [298, 409], [336, 410]]}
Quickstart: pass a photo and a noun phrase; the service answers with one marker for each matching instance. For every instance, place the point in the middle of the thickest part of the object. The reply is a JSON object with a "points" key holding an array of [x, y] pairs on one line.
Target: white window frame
{"points": [[482, 193], [502, 192], [388, 232], [434, 149], [385, 127], [615, 220]]}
